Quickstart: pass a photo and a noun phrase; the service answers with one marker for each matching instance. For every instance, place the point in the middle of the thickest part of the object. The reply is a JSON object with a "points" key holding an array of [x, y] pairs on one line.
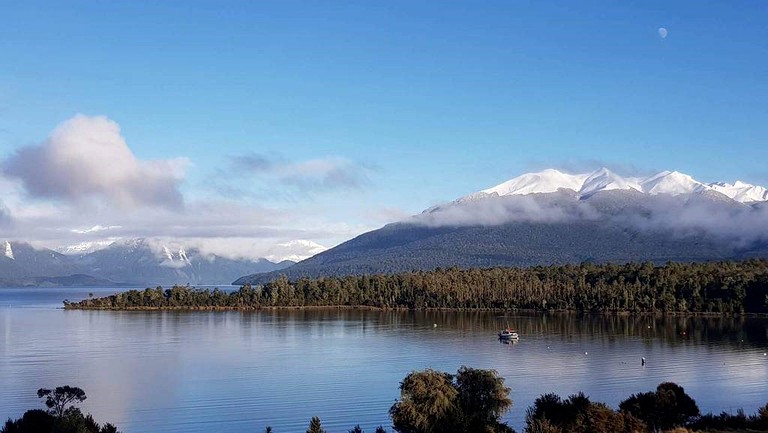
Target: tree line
{"points": [[726, 287], [470, 401]]}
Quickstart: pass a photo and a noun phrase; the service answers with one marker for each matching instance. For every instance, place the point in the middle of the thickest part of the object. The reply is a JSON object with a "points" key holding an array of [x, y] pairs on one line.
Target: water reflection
{"points": [[236, 371]]}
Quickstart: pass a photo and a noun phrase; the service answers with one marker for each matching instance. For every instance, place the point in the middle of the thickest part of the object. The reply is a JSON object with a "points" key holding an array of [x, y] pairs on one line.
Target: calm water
{"points": [[238, 371]]}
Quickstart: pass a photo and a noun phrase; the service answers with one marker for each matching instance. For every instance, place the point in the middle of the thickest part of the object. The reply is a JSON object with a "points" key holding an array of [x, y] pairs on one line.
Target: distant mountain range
{"points": [[551, 217], [131, 262], [666, 182]]}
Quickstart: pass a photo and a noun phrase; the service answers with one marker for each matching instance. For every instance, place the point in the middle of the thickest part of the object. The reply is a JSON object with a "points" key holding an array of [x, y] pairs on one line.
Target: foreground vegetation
{"points": [[470, 401], [61, 417], [717, 287]]}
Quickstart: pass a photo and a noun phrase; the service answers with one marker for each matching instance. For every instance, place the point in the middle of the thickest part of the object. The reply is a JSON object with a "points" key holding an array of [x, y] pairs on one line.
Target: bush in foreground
{"points": [[472, 401], [62, 416]]}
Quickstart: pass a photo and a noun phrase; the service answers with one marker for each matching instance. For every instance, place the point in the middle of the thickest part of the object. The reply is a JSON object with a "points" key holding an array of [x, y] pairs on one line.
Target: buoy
{"points": [[434, 325], [585, 353]]}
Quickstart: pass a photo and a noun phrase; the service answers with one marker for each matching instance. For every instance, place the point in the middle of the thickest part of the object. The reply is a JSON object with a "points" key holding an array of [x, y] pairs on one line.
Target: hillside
{"points": [[541, 219]]}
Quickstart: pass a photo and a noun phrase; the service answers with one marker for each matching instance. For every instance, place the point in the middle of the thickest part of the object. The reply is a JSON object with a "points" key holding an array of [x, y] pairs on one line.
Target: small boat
{"points": [[508, 334]]}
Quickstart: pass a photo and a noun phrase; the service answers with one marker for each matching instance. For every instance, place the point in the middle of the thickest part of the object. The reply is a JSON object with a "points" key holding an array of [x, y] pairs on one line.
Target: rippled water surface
{"points": [[241, 371]]}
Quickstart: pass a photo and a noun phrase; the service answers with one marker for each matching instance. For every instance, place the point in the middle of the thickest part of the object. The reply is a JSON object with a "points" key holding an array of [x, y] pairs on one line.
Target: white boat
{"points": [[508, 334]]}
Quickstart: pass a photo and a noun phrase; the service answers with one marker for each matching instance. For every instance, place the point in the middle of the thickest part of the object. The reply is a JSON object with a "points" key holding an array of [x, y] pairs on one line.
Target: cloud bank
{"points": [[685, 215], [86, 159]]}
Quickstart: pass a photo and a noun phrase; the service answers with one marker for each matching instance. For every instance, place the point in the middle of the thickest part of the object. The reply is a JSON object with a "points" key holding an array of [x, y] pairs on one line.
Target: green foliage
{"points": [[739, 420], [314, 426], [482, 398], [577, 414], [761, 418], [71, 420], [472, 401], [716, 287], [60, 398], [35, 420], [436, 402], [427, 403], [666, 408]]}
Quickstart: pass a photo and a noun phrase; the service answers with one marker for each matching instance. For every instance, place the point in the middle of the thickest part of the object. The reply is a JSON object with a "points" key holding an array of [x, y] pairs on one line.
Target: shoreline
{"points": [[430, 309]]}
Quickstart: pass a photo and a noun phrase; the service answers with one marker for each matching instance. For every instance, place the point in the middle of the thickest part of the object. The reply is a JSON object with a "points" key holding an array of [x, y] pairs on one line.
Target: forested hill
{"points": [[716, 287]]}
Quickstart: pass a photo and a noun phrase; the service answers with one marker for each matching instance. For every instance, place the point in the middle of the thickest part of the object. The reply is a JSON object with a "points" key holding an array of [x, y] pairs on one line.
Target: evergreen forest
{"points": [[727, 287]]}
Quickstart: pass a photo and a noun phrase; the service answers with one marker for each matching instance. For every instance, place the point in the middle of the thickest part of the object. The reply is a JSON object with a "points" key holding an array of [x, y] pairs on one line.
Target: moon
{"points": [[663, 32]]}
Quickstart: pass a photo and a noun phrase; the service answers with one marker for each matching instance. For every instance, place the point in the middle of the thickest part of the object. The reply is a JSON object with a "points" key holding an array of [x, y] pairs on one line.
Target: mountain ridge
{"points": [[552, 217], [128, 262], [603, 179]]}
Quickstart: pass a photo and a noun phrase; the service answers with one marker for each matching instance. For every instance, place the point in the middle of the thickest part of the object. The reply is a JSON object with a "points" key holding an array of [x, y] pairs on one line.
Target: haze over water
{"points": [[241, 371]]}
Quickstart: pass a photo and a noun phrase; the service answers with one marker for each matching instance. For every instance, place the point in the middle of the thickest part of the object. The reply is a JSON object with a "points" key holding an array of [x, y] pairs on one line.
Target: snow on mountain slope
{"points": [[606, 180], [85, 247], [672, 182], [585, 185], [9, 251], [549, 180], [741, 191], [294, 251]]}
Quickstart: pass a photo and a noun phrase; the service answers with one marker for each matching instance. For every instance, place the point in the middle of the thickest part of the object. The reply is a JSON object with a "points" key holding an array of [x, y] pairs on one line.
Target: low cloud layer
{"points": [[227, 228], [497, 211], [86, 159], [681, 216]]}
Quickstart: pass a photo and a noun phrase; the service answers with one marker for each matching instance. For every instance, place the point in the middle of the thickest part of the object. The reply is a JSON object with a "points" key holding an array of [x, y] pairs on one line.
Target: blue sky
{"points": [[333, 118]]}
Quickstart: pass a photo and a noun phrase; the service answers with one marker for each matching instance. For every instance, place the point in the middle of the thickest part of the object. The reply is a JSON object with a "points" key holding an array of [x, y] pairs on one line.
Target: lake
{"points": [[238, 372]]}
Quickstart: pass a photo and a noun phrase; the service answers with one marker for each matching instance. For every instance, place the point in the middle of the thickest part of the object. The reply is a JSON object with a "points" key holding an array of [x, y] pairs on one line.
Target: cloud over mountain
{"points": [[667, 201], [86, 158]]}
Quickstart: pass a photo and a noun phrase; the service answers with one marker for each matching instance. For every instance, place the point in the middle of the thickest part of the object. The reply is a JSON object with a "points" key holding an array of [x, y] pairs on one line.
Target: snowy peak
{"points": [[84, 247], [741, 191], [606, 180], [585, 185], [549, 180], [672, 182], [294, 251]]}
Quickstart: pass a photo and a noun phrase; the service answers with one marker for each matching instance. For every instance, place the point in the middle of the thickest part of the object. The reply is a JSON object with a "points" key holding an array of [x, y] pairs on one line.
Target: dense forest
{"points": [[730, 287], [470, 401]]}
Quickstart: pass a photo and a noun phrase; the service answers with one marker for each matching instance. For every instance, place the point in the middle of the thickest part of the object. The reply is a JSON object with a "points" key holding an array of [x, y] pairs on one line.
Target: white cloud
{"points": [[94, 229], [682, 215], [83, 187], [86, 159]]}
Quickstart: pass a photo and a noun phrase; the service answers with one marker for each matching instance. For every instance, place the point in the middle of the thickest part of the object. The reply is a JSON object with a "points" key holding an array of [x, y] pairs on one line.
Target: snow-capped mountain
{"points": [[84, 247], [294, 251], [156, 262], [132, 261], [555, 217], [546, 181], [740, 191], [587, 184]]}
